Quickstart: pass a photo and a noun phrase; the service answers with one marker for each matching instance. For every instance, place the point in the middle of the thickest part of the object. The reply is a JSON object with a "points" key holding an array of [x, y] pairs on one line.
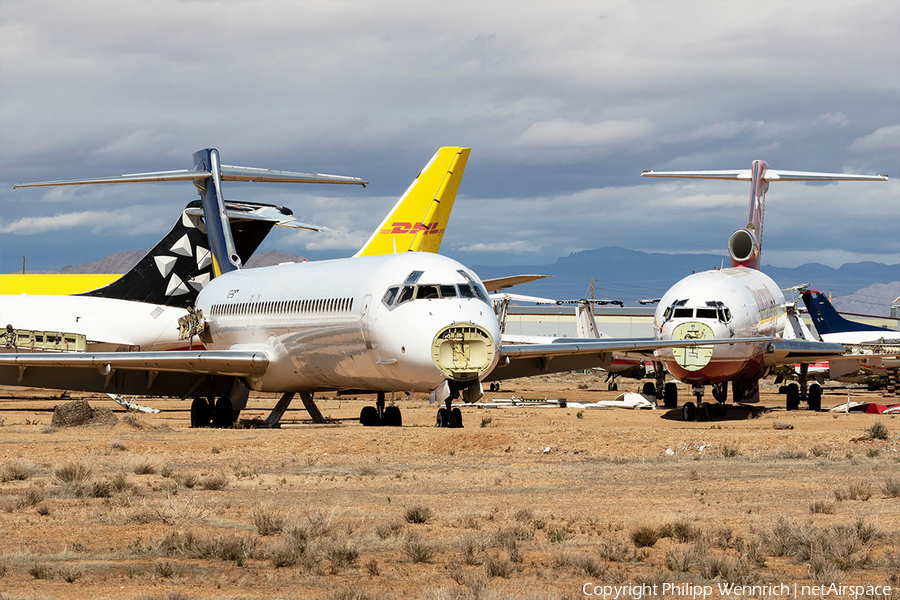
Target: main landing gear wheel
{"points": [[719, 410], [648, 389], [201, 413], [443, 418], [670, 395], [792, 397], [688, 411], [392, 417], [368, 416], [380, 415], [814, 397], [612, 387], [223, 416]]}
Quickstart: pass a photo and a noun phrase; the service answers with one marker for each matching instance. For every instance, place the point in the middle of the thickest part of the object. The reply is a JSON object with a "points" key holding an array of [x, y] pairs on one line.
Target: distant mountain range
{"points": [[630, 275]]}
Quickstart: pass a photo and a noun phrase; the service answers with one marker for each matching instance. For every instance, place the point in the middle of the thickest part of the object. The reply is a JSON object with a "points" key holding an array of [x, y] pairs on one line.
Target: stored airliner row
{"points": [[411, 321], [739, 301]]}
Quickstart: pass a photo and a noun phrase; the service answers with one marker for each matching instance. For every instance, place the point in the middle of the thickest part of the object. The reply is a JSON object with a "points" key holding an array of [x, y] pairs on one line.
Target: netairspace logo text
{"points": [[729, 590]]}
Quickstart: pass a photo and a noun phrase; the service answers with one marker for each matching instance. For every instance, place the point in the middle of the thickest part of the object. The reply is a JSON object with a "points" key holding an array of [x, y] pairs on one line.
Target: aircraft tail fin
{"points": [[419, 218], [826, 318], [745, 244], [174, 271], [585, 324]]}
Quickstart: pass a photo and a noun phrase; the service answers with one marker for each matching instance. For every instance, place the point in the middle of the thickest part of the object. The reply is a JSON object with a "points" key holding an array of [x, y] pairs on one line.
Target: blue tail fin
{"points": [[826, 318]]}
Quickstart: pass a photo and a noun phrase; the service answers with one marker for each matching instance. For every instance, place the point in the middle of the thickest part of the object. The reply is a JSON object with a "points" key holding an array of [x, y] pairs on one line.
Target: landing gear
{"points": [[688, 411], [700, 411], [720, 391], [449, 416], [649, 389], [814, 397], [792, 397], [372, 416], [670, 395], [223, 414], [494, 387], [611, 384], [201, 413]]}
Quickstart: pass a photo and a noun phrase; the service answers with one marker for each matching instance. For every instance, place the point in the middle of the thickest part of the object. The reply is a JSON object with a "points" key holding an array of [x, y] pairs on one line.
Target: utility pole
{"points": [[592, 287], [23, 264]]}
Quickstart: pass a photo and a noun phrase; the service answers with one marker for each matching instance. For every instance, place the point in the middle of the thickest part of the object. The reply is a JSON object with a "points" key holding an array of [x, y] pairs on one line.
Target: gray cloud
{"points": [[563, 104]]}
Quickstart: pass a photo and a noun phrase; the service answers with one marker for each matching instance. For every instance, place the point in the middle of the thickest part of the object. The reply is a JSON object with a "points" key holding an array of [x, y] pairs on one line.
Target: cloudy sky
{"points": [[563, 104]]}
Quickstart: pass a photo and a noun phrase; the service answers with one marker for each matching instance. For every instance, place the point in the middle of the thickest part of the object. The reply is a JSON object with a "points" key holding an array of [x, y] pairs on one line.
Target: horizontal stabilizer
{"points": [[229, 173], [522, 298], [770, 175], [256, 212], [499, 283]]}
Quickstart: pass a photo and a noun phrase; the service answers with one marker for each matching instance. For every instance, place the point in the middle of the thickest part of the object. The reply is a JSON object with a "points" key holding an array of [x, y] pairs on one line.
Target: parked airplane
{"points": [[414, 321], [140, 309], [739, 301], [832, 327]]}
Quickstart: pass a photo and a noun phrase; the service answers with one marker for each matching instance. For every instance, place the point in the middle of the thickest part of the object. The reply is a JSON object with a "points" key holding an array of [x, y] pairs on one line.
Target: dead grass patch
{"points": [[267, 520], [73, 472], [417, 514]]}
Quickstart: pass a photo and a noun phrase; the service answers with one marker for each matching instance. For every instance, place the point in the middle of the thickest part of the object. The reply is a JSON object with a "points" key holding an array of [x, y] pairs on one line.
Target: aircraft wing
{"points": [[175, 373], [524, 360], [499, 283], [789, 352], [239, 363], [228, 173]]}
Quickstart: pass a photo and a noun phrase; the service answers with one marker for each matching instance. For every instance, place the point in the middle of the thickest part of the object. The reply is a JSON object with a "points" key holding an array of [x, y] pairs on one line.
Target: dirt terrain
{"points": [[526, 502]]}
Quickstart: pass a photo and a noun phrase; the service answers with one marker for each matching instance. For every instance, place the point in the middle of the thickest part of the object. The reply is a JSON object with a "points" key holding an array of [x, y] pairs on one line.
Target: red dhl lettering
{"points": [[397, 228]]}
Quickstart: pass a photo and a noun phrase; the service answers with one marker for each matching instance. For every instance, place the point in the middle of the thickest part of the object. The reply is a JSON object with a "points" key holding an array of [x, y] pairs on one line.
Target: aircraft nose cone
{"points": [[463, 351], [696, 357]]}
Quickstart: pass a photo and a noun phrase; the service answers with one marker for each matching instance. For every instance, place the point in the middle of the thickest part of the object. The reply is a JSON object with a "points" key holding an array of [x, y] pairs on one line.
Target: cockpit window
{"points": [[390, 295], [448, 291], [413, 277], [706, 313], [683, 313], [426, 292], [406, 294], [465, 291]]}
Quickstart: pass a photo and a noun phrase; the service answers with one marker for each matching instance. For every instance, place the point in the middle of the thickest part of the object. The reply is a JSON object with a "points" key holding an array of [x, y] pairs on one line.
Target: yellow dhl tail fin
{"points": [[418, 220]]}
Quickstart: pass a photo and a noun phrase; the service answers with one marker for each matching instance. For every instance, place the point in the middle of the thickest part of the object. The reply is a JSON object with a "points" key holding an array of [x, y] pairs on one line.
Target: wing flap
{"points": [[237, 363], [788, 352]]}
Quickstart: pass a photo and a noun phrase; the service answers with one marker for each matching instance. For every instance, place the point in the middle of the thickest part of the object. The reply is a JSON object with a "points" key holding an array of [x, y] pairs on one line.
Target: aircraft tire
{"points": [[792, 397], [720, 410], [368, 416], [815, 397], [392, 417], [689, 411], [443, 418], [670, 395], [456, 418], [703, 412], [223, 415], [649, 389], [201, 415]]}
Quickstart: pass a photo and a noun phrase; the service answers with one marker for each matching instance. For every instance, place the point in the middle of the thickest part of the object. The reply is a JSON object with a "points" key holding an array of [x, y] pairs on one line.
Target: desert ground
{"points": [[521, 503]]}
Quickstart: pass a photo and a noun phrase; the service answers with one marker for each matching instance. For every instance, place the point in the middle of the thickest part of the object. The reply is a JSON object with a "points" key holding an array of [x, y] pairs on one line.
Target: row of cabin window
{"points": [[285, 306]]}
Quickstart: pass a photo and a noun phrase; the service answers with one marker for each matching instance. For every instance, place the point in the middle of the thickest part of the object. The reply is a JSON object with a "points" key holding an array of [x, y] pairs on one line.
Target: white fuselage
{"points": [[733, 302], [326, 325], [110, 325]]}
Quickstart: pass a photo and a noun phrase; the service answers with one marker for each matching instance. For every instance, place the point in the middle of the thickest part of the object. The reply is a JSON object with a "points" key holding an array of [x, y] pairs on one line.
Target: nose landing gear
{"points": [[381, 415], [449, 416]]}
